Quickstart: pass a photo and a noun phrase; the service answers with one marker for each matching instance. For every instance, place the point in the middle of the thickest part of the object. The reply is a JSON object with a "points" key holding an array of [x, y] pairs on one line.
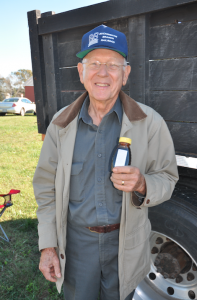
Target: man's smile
{"points": [[102, 84]]}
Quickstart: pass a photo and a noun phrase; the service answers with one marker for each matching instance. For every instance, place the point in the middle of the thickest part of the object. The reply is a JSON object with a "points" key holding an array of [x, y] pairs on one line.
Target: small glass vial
{"points": [[122, 155]]}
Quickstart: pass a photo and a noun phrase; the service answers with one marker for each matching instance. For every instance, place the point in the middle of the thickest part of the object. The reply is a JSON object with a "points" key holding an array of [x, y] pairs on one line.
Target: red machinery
{"points": [[7, 203]]}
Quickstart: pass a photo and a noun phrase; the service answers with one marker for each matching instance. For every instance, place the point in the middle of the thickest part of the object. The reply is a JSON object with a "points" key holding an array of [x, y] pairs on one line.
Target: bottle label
{"points": [[121, 158]]}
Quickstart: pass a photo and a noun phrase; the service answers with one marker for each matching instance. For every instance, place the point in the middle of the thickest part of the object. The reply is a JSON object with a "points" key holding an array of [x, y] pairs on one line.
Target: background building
{"points": [[29, 89]]}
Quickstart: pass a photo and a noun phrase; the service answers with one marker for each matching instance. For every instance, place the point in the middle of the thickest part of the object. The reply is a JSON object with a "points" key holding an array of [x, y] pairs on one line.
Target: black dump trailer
{"points": [[162, 39]]}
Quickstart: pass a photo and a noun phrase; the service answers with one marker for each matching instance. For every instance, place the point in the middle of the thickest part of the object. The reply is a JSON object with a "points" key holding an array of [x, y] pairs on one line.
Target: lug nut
{"points": [[157, 262], [179, 279], [172, 276], [177, 269], [190, 276], [165, 275], [159, 240], [154, 250], [194, 267], [159, 270]]}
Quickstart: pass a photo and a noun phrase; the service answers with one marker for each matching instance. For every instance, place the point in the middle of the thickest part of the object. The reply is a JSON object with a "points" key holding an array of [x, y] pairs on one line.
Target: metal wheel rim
{"points": [[158, 289]]}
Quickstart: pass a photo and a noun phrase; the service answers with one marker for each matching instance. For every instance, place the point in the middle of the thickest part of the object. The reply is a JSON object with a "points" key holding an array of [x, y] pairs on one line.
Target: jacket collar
{"points": [[130, 107]]}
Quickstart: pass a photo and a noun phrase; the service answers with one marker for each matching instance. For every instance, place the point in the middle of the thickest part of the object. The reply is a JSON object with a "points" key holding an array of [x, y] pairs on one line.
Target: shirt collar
{"points": [[83, 115], [117, 108], [131, 108]]}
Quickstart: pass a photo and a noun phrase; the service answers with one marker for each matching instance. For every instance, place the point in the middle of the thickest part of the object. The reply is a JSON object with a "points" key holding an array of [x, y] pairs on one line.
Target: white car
{"points": [[17, 105]]}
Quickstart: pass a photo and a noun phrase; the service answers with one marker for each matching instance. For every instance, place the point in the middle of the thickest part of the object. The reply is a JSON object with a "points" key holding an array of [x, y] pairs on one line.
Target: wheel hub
{"points": [[173, 273], [171, 260]]}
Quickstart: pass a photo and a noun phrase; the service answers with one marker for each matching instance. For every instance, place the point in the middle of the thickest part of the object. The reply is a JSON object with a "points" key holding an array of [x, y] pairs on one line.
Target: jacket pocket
{"points": [[136, 252], [76, 182]]}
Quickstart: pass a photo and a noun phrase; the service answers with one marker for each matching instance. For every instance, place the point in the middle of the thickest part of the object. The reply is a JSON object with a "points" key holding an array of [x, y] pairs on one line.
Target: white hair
{"points": [[125, 63]]}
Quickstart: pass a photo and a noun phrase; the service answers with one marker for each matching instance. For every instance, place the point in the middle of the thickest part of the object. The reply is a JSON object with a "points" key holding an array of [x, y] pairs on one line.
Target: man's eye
{"points": [[113, 66], [94, 64]]}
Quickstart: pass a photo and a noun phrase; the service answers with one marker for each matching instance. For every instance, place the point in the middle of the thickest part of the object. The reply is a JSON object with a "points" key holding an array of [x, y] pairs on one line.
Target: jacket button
{"points": [[148, 201], [62, 256]]}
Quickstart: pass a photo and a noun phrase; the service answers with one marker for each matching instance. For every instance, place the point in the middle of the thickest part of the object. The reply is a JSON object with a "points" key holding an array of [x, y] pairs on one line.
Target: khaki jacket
{"points": [[152, 152]]}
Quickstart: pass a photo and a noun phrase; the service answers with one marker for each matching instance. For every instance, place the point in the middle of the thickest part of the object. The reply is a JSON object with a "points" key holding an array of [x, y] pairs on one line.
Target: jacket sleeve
{"points": [[161, 172], [44, 190]]}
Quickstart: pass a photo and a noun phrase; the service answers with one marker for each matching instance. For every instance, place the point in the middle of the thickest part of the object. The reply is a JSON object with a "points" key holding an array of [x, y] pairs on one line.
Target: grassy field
{"points": [[20, 146]]}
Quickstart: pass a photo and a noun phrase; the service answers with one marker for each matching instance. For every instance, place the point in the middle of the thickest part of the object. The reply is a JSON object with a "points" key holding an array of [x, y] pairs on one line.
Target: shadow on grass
{"points": [[19, 260], [17, 115], [14, 227]]}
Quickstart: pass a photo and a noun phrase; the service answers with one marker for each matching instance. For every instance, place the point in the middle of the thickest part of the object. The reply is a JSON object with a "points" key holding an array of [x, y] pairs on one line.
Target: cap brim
{"points": [[85, 52]]}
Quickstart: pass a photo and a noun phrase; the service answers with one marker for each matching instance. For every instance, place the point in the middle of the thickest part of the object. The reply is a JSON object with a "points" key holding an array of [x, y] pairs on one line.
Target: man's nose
{"points": [[102, 70]]}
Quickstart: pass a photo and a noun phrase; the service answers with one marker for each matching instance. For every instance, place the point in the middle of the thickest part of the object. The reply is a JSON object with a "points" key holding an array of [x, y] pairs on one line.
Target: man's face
{"points": [[103, 84]]}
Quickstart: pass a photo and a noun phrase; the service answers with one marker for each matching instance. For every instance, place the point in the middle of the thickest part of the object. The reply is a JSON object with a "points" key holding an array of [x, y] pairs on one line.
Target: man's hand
{"points": [[133, 179], [49, 264]]}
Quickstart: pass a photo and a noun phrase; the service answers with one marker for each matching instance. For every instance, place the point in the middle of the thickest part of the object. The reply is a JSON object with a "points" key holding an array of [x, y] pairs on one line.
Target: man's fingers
{"points": [[124, 177], [126, 187], [119, 181], [130, 176], [52, 272], [50, 278], [49, 264], [56, 265], [123, 188], [48, 273], [125, 169]]}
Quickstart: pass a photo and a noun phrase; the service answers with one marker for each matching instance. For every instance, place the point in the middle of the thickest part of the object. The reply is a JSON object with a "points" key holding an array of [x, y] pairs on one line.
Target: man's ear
{"points": [[80, 71], [126, 74]]}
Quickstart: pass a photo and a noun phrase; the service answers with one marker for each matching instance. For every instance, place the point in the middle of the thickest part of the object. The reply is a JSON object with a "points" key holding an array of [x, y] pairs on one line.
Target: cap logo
{"points": [[93, 39]]}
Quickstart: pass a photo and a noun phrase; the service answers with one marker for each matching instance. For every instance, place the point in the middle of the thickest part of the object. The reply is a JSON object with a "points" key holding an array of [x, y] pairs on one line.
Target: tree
{"points": [[14, 83], [1, 90], [6, 87], [21, 76]]}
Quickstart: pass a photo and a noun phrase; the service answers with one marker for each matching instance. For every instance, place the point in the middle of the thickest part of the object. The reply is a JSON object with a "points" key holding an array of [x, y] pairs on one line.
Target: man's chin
{"points": [[102, 98]]}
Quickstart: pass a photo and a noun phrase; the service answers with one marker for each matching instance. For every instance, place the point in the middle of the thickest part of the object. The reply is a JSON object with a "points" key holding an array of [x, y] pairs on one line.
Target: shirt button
{"points": [[62, 256], [148, 201], [99, 155], [100, 204], [99, 179]]}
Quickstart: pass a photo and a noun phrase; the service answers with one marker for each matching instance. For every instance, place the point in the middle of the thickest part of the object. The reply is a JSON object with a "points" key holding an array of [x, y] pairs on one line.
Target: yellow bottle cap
{"points": [[125, 140]]}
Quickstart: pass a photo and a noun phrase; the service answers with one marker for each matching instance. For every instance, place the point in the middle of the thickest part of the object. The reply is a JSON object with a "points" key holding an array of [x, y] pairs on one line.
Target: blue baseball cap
{"points": [[106, 38]]}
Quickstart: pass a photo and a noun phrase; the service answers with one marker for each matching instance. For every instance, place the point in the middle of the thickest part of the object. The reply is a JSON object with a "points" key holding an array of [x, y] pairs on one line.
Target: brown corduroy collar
{"points": [[130, 107]]}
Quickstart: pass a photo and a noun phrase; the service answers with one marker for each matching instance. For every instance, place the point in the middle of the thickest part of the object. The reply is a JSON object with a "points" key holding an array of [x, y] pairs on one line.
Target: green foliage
{"points": [[14, 83], [21, 76], [20, 146], [6, 87]]}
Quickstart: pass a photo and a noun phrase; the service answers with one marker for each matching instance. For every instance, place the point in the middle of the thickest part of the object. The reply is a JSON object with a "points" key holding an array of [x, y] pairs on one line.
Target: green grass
{"points": [[20, 278]]}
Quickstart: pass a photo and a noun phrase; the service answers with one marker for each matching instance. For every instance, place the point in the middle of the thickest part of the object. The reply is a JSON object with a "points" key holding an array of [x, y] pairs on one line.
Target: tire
{"points": [[175, 220], [34, 113], [22, 112]]}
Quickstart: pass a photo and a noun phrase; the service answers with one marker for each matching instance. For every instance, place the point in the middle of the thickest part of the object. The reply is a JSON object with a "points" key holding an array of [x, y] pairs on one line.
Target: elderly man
{"points": [[93, 223]]}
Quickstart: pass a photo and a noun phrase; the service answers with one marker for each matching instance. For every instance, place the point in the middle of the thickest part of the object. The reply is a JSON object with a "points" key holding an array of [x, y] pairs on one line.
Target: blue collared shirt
{"points": [[94, 200]]}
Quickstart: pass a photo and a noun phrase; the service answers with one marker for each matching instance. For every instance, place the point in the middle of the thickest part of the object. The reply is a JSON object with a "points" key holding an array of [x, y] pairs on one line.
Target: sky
{"points": [[14, 32]]}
